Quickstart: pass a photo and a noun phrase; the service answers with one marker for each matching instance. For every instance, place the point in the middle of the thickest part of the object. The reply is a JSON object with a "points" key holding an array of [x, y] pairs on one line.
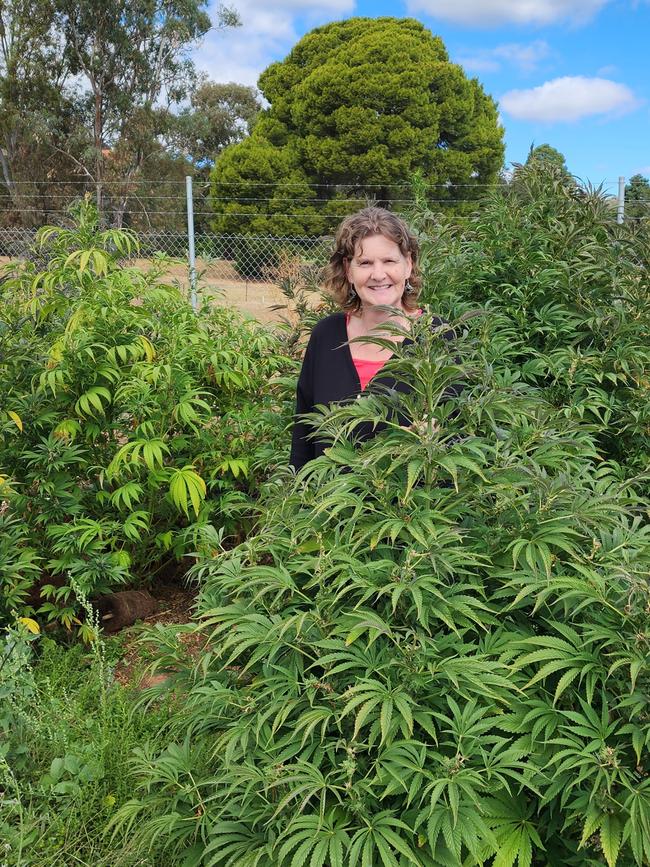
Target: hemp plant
{"points": [[129, 420], [432, 651]]}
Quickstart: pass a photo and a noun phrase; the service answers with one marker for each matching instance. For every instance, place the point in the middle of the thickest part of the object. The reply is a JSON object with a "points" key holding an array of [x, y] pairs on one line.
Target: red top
{"points": [[367, 369]]}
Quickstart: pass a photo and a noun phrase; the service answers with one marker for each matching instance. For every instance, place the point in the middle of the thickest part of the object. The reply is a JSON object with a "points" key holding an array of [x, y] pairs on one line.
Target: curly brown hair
{"points": [[353, 229]]}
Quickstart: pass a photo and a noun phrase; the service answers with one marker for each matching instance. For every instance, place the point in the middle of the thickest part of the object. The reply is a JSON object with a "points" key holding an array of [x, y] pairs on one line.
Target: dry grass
{"points": [[220, 281], [226, 288]]}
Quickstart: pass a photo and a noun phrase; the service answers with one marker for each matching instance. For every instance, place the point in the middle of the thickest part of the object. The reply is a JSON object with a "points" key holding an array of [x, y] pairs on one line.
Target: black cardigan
{"points": [[328, 375]]}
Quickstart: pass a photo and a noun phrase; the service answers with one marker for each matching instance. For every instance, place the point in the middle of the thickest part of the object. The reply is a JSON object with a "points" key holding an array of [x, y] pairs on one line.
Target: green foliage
{"points": [[637, 199], [433, 647], [432, 651], [218, 115], [17, 688], [63, 759], [78, 81], [19, 565], [548, 155], [572, 295], [129, 421], [358, 105], [30, 96]]}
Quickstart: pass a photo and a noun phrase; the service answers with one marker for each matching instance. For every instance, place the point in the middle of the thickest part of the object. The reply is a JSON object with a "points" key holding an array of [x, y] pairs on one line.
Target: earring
{"points": [[408, 289], [352, 292]]}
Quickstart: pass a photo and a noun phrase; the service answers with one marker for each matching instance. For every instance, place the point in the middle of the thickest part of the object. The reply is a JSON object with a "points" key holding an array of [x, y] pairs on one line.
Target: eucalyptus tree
{"points": [[131, 57], [218, 115], [34, 113], [86, 91]]}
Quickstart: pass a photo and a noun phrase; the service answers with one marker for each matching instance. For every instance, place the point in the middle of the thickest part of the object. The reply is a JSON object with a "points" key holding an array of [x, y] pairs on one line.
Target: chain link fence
{"points": [[246, 271], [244, 258], [17, 243]]}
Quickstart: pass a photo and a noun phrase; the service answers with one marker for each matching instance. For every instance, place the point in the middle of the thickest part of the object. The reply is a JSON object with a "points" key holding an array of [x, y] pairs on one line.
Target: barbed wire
{"points": [[4, 195], [181, 199], [213, 214], [152, 198], [198, 185], [298, 184]]}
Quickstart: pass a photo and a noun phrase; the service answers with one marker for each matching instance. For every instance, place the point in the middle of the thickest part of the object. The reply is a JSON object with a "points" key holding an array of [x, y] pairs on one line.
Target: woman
{"points": [[373, 275]]}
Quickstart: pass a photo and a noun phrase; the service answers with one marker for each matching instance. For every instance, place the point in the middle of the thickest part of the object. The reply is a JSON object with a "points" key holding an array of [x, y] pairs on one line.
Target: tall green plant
{"points": [[572, 290], [133, 420], [433, 651]]}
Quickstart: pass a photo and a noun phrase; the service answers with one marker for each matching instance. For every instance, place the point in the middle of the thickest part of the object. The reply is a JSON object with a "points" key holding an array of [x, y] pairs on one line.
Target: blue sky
{"points": [[567, 72]]}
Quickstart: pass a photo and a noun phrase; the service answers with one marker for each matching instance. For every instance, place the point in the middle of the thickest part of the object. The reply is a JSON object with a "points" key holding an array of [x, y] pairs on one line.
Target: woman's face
{"points": [[378, 271]]}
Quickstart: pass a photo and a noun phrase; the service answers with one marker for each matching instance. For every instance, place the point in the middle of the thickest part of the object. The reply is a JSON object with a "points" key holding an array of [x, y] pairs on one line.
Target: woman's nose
{"points": [[378, 270]]}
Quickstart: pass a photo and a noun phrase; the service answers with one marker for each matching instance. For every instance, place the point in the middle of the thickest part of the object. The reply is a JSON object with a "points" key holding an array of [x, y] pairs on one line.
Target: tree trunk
{"points": [[99, 155], [7, 157], [7, 175], [128, 189]]}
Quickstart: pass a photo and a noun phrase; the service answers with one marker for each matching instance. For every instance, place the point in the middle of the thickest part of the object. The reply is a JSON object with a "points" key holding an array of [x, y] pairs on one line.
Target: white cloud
{"points": [[481, 62], [492, 13], [569, 98], [267, 33], [523, 57], [526, 57]]}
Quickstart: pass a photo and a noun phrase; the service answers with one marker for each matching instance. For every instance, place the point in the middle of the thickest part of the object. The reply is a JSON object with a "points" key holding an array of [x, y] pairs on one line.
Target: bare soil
{"points": [[175, 606]]}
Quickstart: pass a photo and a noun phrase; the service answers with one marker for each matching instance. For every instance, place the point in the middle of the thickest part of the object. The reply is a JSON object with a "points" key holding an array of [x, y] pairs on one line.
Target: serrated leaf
{"points": [[610, 837]]}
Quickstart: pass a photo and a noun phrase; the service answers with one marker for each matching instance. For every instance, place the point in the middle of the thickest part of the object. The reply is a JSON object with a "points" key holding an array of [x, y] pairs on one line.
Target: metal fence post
{"points": [[190, 239], [620, 214]]}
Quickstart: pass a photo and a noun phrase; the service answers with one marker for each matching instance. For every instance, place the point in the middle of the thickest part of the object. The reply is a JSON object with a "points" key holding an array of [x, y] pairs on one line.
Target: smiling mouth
{"points": [[381, 286]]}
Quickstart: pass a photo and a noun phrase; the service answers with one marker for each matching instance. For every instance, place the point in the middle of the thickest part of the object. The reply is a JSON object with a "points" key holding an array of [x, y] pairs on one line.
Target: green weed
{"points": [[66, 772], [127, 421]]}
